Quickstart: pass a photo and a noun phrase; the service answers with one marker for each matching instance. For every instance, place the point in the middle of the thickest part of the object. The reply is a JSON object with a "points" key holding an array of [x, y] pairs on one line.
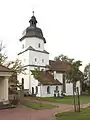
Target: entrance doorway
{"points": [[32, 90]]}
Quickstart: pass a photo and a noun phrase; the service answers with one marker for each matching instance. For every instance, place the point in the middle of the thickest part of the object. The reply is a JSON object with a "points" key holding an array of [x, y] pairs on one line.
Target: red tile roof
{"points": [[46, 78], [4, 69], [59, 66]]}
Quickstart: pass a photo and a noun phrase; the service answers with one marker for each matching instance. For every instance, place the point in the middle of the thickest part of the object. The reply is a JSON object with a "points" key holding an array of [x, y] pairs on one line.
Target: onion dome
{"points": [[33, 30]]}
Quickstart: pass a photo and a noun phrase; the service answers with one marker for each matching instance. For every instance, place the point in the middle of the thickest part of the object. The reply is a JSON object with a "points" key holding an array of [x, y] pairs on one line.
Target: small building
{"points": [[5, 73], [45, 84]]}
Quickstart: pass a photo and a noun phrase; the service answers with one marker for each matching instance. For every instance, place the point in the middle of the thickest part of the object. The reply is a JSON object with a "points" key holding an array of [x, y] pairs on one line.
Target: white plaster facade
{"points": [[28, 59], [43, 91], [34, 42], [68, 86], [4, 86], [32, 59]]}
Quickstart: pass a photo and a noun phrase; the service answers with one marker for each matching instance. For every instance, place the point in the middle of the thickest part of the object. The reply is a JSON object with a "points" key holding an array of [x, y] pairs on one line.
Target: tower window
{"points": [[35, 59], [23, 46], [39, 45], [42, 60]]}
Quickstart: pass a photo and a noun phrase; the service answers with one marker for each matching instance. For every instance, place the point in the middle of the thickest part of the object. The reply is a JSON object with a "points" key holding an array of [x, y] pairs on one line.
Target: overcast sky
{"points": [[65, 25]]}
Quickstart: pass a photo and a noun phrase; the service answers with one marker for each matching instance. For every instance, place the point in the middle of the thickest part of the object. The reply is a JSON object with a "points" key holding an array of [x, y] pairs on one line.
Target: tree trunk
{"points": [[74, 102], [78, 99]]}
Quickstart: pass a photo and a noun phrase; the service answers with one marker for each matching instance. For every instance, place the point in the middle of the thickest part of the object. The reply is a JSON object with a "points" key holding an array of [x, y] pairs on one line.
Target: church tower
{"points": [[33, 55]]}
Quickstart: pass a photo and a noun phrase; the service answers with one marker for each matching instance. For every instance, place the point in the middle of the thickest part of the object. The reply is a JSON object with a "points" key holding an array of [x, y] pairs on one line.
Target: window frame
{"points": [[39, 45], [23, 46], [48, 89], [56, 88], [35, 59], [42, 60], [36, 89]]}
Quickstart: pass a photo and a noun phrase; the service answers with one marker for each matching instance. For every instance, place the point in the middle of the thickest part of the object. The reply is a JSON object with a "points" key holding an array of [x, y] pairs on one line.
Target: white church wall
{"points": [[24, 57], [39, 92], [34, 83], [34, 42], [22, 45], [26, 78], [43, 90], [42, 59], [69, 89], [78, 85], [33, 68], [59, 77]]}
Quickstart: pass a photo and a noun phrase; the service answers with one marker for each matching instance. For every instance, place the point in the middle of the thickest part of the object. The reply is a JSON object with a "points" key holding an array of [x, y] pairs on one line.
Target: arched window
{"points": [[23, 46], [32, 90], [36, 89], [48, 89], [56, 88], [42, 60], [35, 59], [39, 45]]}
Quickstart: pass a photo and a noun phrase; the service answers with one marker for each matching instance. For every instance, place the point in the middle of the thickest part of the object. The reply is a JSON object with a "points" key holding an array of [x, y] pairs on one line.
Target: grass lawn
{"points": [[65, 100], [83, 115], [39, 106]]}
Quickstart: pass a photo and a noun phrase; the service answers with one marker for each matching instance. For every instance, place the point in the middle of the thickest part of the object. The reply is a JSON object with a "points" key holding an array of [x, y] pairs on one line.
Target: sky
{"points": [[65, 25]]}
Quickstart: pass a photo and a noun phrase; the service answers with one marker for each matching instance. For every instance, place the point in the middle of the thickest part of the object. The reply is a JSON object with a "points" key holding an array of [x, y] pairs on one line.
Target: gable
{"points": [[5, 69]]}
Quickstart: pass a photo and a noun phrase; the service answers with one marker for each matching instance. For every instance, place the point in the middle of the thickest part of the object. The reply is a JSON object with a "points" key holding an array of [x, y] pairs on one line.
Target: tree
{"points": [[86, 82], [64, 58], [74, 74], [87, 72], [16, 66], [3, 56]]}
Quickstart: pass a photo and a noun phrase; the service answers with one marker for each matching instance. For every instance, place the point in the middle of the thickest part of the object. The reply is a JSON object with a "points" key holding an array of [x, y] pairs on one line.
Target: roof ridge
{"points": [[4, 68]]}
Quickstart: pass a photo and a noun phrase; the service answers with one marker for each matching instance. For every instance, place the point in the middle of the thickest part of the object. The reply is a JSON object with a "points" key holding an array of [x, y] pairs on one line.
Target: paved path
{"points": [[23, 113]]}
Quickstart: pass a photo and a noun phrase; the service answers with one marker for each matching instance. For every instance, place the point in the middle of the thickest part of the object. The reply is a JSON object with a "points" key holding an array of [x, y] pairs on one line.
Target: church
{"points": [[43, 77]]}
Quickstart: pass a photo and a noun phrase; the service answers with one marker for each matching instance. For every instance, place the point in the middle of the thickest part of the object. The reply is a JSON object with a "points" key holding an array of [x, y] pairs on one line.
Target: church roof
{"points": [[59, 66], [32, 49], [46, 78], [5, 69], [33, 30]]}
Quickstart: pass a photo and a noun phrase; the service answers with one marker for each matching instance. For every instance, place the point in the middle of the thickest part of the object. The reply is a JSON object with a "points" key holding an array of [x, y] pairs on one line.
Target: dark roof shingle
{"points": [[32, 49], [46, 78], [5, 69], [59, 66]]}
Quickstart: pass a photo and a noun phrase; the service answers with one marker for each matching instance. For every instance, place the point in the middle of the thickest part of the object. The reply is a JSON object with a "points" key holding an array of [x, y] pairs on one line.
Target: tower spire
{"points": [[33, 20], [33, 12]]}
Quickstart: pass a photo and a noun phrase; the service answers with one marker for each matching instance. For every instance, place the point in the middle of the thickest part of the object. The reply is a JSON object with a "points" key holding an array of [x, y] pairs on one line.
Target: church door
{"points": [[32, 90]]}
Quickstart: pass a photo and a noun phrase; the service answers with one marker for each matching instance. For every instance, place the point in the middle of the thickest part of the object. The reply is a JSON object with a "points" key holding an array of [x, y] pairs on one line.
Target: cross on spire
{"points": [[33, 13], [33, 20]]}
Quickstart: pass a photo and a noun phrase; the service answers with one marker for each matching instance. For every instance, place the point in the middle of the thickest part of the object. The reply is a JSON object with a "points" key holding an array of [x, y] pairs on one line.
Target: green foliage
{"points": [[74, 74], [39, 106], [64, 58], [86, 82], [15, 66], [35, 72], [3, 56], [87, 73], [83, 115], [65, 100]]}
